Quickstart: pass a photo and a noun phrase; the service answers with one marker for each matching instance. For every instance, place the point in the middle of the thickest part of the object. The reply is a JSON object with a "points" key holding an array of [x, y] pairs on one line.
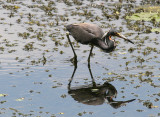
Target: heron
{"points": [[87, 33]]}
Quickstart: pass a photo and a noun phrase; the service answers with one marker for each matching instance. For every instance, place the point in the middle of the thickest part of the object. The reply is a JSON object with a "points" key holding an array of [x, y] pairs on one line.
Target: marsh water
{"points": [[38, 78]]}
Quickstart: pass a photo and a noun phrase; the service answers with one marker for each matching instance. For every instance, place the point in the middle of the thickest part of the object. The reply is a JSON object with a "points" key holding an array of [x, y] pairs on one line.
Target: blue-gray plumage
{"points": [[87, 33], [84, 32]]}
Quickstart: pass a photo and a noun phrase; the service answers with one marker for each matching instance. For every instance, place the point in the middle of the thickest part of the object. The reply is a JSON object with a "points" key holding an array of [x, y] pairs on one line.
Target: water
{"points": [[35, 66]]}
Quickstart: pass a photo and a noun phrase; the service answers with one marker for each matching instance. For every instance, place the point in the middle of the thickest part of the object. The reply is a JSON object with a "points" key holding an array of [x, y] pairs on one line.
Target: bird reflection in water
{"points": [[95, 94]]}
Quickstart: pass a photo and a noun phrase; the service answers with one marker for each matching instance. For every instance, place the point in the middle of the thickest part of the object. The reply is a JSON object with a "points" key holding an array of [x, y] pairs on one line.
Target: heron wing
{"points": [[85, 32]]}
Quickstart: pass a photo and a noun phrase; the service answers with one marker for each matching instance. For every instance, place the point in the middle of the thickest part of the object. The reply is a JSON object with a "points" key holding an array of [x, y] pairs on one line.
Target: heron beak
{"points": [[123, 37]]}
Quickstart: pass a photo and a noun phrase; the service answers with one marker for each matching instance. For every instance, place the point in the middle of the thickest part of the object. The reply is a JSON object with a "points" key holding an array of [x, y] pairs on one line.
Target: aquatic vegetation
{"points": [[146, 16], [147, 13], [35, 65], [155, 30]]}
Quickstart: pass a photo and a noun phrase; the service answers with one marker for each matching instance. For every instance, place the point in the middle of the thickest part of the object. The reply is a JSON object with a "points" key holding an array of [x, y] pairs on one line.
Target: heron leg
{"points": [[75, 56], [69, 84], [93, 81], [90, 55]]}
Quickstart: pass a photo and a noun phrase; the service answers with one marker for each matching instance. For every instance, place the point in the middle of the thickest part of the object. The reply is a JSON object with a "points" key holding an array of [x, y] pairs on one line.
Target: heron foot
{"points": [[67, 33], [74, 60]]}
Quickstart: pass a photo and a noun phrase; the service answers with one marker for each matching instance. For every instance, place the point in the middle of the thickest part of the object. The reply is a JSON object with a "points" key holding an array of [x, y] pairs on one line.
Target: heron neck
{"points": [[107, 39], [106, 45]]}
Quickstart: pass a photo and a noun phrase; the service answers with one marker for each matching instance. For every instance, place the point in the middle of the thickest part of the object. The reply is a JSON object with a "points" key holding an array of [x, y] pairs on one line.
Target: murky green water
{"points": [[35, 66]]}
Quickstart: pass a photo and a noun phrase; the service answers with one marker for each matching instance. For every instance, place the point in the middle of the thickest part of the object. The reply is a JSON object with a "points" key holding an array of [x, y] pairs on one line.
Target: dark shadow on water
{"points": [[94, 94]]}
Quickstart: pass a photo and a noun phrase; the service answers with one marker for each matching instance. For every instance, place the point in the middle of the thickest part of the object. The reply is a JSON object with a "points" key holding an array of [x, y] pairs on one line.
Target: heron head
{"points": [[114, 32]]}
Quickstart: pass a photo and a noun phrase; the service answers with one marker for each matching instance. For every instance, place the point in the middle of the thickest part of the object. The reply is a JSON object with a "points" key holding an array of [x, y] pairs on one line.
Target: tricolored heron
{"points": [[87, 33]]}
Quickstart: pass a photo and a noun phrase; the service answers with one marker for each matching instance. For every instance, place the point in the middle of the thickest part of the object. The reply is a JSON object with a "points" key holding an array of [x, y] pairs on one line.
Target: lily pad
{"points": [[3, 95], [20, 99], [148, 8], [146, 16], [122, 52], [155, 30]]}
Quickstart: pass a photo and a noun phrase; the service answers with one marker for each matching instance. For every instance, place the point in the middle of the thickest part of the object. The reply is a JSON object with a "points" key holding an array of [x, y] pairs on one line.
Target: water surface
{"points": [[35, 66]]}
